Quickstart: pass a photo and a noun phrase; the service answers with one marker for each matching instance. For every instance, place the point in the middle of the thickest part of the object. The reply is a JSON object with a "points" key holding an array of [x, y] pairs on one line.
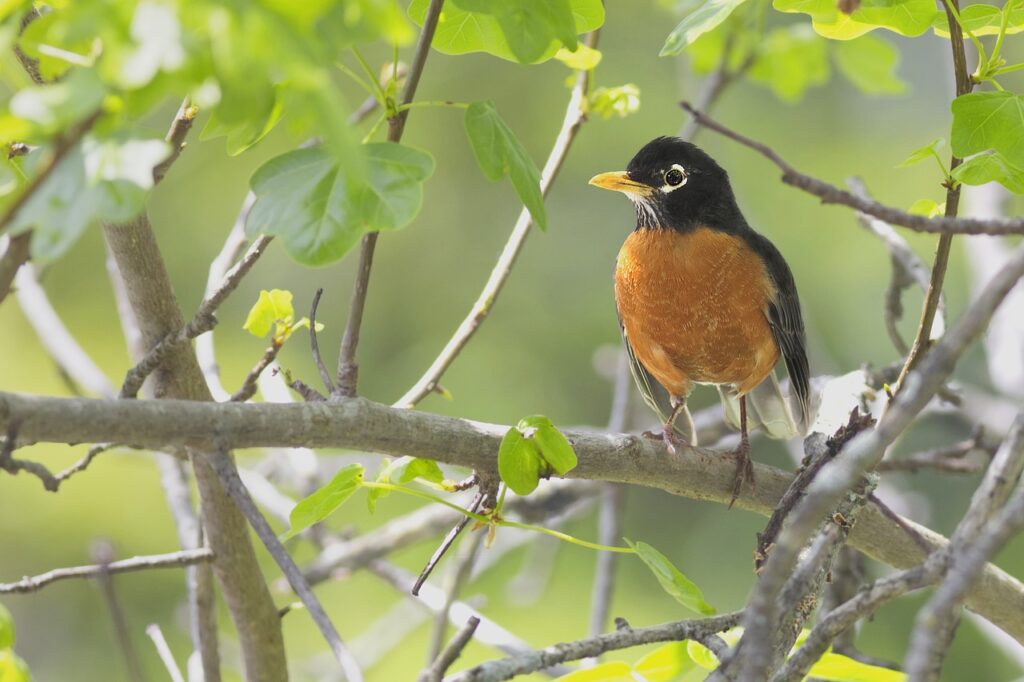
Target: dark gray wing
{"points": [[787, 323]]}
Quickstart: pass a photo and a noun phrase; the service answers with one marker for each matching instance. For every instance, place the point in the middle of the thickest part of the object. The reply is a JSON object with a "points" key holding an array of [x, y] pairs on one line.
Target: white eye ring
{"points": [[675, 177]]}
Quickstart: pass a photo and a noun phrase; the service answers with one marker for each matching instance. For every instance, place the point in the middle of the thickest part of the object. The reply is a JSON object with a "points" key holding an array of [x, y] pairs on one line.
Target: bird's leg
{"points": [[668, 432], [744, 467]]}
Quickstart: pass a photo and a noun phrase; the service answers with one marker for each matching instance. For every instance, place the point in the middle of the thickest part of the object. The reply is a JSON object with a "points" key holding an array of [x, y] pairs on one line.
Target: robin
{"points": [[701, 297]]}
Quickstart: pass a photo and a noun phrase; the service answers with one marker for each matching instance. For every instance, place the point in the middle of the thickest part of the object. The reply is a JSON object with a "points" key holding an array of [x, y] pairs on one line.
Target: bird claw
{"points": [[668, 436], [744, 470]]}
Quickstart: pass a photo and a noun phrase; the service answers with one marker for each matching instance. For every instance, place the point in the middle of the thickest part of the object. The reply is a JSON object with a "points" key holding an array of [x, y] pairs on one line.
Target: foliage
{"points": [[12, 668], [533, 449], [274, 312]]}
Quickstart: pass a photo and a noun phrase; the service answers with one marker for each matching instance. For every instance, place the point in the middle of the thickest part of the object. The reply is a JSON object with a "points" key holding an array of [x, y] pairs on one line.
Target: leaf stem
{"points": [[361, 81], [433, 103], [378, 90]]}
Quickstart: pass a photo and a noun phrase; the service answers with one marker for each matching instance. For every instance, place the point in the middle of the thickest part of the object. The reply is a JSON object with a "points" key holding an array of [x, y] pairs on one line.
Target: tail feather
{"points": [[770, 409]]}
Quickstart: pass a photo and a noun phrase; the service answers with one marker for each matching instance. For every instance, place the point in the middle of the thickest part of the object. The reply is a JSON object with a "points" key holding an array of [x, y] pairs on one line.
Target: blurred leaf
{"points": [[157, 35], [499, 152], [982, 20], [927, 207], [665, 663], [55, 107], [703, 19], [352, 21], [701, 655], [524, 31], [790, 60], [128, 160], [403, 470], [672, 580], [554, 447], [920, 154], [583, 58], [519, 462], [6, 628], [620, 101], [613, 671], [273, 310], [326, 500], [306, 198], [870, 64], [906, 17], [836, 668], [12, 668], [994, 167], [243, 133], [989, 120]]}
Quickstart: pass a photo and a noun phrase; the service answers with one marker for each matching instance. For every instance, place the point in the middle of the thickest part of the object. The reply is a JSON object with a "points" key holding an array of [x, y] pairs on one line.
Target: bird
{"points": [[701, 297]]}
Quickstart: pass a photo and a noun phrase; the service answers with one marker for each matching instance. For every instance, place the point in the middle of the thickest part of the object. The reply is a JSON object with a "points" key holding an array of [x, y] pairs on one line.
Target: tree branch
{"points": [[139, 563], [830, 194], [532, 661], [574, 118], [362, 425], [451, 653], [348, 369]]}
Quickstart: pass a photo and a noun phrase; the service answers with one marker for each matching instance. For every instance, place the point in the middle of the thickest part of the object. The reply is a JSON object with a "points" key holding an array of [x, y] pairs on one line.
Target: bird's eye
{"points": [[674, 177]]}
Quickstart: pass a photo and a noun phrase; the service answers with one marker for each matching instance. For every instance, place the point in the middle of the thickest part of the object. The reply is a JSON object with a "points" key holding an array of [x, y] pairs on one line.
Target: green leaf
{"points": [[701, 655], [554, 447], [326, 500], [305, 198], [906, 17], [665, 664], [837, 668], [403, 470], [791, 59], [989, 120], [981, 20], [57, 106], [920, 154], [672, 580], [524, 31], [242, 133], [519, 462], [613, 671], [994, 167], [927, 207], [706, 17], [583, 58], [870, 64], [273, 310], [620, 101], [12, 668], [499, 152], [6, 628]]}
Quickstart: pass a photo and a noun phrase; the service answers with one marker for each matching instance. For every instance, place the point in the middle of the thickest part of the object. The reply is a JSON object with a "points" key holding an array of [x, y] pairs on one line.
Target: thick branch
{"points": [[359, 424], [830, 194], [139, 563]]}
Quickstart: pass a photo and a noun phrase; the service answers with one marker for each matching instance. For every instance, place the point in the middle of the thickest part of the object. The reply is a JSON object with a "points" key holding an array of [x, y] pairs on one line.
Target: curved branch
{"points": [[363, 425]]}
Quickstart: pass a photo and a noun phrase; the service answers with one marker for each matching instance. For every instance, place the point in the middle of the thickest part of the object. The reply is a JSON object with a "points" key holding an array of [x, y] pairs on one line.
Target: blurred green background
{"points": [[537, 353]]}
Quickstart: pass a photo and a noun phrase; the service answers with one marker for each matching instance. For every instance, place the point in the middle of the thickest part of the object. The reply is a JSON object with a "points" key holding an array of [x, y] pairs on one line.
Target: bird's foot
{"points": [[744, 470], [668, 436]]}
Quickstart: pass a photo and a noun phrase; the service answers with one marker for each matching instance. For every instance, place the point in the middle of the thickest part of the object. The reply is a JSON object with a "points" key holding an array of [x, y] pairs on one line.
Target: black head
{"points": [[676, 185]]}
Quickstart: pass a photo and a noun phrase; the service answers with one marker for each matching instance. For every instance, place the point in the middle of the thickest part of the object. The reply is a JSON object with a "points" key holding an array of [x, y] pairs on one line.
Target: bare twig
{"points": [[248, 387], [15, 254], [458, 575], [451, 653], [830, 194], [140, 563], [609, 523], [314, 346], [348, 369], [154, 632], [103, 554], [532, 661], [56, 338], [232, 483], [478, 500], [176, 137], [574, 117], [964, 84], [203, 321]]}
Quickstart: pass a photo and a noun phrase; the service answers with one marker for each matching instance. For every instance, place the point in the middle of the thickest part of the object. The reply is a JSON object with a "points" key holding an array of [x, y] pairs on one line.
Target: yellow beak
{"points": [[620, 182]]}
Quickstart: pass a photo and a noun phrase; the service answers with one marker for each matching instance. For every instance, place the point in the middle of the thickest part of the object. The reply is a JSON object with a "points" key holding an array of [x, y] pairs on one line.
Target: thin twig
{"points": [[16, 253], [964, 84], [176, 137], [348, 369], [451, 652], [830, 194], [140, 563], [103, 554], [314, 345], [532, 661], [203, 321], [248, 387], [154, 632], [448, 541], [458, 575], [574, 118], [609, 524], [232, 483]]}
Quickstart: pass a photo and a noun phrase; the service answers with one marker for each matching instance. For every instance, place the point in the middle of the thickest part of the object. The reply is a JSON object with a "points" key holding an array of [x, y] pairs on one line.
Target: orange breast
{"points": [[694, 307]]}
